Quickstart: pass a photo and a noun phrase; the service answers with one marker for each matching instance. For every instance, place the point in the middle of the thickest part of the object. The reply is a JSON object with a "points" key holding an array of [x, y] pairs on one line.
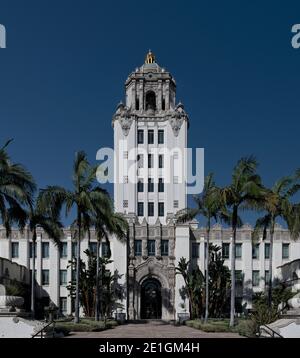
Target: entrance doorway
{"points": [[151, 299]]}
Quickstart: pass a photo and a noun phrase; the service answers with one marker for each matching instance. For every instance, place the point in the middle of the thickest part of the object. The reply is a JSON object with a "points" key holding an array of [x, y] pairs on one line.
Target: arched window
{"points": [[150, 100]]}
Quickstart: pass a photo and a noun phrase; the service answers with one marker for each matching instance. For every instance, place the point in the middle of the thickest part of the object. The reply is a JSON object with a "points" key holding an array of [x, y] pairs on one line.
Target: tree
{"points": [[17, 187], [277, 205], [244, 192], [83, 197], [209, 205]]}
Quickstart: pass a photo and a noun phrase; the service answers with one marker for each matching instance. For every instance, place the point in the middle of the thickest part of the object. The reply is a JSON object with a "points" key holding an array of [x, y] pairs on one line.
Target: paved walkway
{"points": [[152, 329]]}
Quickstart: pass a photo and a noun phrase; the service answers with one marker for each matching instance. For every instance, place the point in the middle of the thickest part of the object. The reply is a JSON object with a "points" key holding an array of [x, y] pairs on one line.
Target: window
{"points": [[255, 251], [161, 209], [225, 251], [150, 101], [125, 203], [175, 204], [138, 247], [255, 278], [35, 272], [238, 251], [140, 209], [161, 186], [14, 250], [125, 154], [285, 251], [63, 277], [160, 161], [140, 136], [64, 250], [150, 136], [267, 251], [150, 185], [31, 249], [267, 277], [150, 160], [93, 248], [160, 136], [151, 247], [74, 249], [140, 186], [163, 104], [45, 277], [63, 305], [239, 277], [45, 250], [105, 249], [164, 247], [195, 250], [150, 209], [140, 161]]}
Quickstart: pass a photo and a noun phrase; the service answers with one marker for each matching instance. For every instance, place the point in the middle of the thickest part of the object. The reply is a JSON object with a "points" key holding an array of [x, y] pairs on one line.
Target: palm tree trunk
{"points": [[33, 275], [232, 296], [271, 263], [77, 304], [97, 282], [207, 274]]}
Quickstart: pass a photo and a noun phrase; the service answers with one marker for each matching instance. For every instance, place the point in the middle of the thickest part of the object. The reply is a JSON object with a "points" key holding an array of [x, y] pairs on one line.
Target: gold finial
{"points": [[150, 58]]}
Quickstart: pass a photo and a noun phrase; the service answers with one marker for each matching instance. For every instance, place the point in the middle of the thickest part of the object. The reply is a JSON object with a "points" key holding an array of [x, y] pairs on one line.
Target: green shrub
{"points": [[85, 325], [246, 328]]}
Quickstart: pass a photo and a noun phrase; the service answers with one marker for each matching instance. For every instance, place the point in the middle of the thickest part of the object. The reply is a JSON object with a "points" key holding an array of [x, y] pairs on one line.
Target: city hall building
{"points": [[150, 124]]}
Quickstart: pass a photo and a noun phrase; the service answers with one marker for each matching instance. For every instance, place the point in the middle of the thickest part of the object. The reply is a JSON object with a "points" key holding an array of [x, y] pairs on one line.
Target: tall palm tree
{"points": [[209, 205], [244, 192], [83, 196], [17, 187], [277, 204]]}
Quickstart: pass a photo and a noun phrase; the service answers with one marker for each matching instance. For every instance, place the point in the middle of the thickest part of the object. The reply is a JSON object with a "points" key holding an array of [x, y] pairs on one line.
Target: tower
{"points": [[150, 136]]}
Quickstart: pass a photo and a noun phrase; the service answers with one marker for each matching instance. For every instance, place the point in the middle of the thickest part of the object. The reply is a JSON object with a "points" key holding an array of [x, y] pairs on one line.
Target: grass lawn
{"points": [[244, 327]]}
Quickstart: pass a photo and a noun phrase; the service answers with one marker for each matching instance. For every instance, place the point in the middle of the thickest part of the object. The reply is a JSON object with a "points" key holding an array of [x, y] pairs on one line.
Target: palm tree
{"points": [[244, 192], [83, 197], [277, 205], [17, 187], [209, 205]]}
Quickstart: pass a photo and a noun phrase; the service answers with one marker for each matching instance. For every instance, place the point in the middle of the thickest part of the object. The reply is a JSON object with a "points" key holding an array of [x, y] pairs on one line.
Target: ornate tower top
{"points": [[150, 57]]}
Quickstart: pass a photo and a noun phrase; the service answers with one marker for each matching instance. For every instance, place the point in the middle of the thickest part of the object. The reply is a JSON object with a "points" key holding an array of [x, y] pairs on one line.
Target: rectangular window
{"points": [[93, 248], [31, 250], [140, 186], [140, 209], [138, 247], [164, 247], [285, 251], [175, 204], [45, 250], [140, 161], [150, 136], [74, 249], [63, 305], [255, 278], [150, 209], [45, 277], [267, 277], [14, 250], [150, 160], [161, 209], [64, 250], [161, 136], [267, 251], [151, 247], [195, 250], [255, 251], [225, 251], [125, 203], [150, 185], [140, 136], [161, 186], [63, 277], [238, 251], [105, 249], [160, 161]]}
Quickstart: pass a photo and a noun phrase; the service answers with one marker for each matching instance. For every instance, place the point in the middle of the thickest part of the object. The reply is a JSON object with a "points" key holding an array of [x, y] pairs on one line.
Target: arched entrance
{"points": [[151, 301]]}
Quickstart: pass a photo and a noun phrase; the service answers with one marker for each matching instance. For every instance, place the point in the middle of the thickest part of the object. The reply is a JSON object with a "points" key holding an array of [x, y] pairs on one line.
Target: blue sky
{"points": [[63, 73]]}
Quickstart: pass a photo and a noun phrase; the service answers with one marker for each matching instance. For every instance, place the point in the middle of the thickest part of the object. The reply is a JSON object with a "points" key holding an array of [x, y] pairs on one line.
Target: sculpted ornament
{"points": [[178, 117], [124, 116]]}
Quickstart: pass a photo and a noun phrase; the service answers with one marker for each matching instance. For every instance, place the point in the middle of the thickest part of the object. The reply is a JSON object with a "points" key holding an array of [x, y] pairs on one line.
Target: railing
{"points": [[42, 331], [269, 331]]}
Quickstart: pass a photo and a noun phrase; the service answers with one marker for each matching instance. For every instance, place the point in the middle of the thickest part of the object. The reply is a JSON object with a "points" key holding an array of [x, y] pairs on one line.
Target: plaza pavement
{"points": [[152, 329]]}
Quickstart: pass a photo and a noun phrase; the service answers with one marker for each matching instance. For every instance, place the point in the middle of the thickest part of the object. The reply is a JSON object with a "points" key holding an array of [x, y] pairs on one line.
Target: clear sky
{"points": [[63, 73]]}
